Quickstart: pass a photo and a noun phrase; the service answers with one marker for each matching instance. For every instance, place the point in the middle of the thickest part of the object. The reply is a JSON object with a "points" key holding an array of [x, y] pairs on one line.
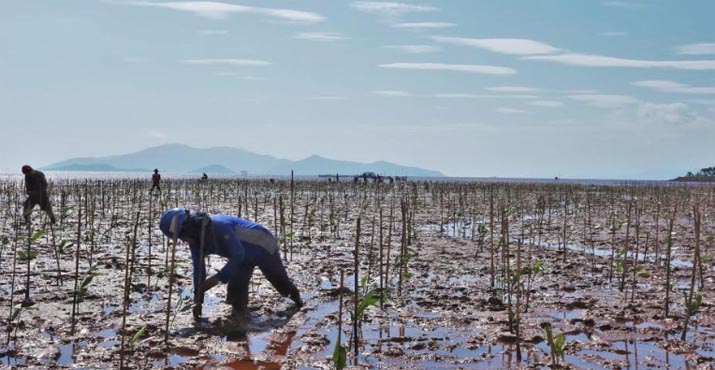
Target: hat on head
{"points": [[26, 168], [172, 222]]}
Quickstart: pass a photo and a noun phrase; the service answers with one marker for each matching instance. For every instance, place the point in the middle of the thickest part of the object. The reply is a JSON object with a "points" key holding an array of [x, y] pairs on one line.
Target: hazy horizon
{"points": [[511, 89]]}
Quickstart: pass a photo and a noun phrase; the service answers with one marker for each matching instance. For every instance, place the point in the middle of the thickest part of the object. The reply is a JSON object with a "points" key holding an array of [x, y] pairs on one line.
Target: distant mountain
{"points": [[214, 169], [226, 160]]}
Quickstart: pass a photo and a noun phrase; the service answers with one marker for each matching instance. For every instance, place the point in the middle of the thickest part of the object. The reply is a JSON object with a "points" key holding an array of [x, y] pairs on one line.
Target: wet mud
{"points": [[452, 297]]}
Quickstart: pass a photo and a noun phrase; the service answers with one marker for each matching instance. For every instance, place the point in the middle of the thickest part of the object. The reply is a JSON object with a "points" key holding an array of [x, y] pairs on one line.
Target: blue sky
{"points": [[579, 89]]}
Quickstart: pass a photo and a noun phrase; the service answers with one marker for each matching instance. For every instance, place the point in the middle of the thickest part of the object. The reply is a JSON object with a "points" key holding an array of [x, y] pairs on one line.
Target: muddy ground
{"points": [[442, 312]]}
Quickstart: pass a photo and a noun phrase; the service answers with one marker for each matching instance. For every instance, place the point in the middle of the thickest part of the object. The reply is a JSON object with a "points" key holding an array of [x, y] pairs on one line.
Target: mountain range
{"points": [[227, 160]]}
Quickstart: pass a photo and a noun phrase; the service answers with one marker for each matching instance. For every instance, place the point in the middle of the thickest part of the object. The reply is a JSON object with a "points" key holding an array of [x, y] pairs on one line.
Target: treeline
{"points": [[704, 172]]}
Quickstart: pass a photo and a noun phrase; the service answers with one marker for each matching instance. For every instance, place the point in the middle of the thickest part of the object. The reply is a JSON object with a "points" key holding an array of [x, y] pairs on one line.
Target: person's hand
{"points": [[208, 284]]}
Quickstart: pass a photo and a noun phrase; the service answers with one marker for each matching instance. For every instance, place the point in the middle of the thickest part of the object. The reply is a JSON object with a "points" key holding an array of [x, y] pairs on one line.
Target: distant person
{"points": [[36, 189], [155, 181], [204, 176], [244, 243]]}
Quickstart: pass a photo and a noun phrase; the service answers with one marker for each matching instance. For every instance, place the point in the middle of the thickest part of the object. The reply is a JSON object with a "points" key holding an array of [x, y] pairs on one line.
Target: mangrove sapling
{"points": [[356, 318], [635, 257], [56, 250], [623, 260], [692, 305], [667, 259], [16, 226], [340, 353], [171, 277], [76, 265], [125, 305], [492, 272], [556, 345]]}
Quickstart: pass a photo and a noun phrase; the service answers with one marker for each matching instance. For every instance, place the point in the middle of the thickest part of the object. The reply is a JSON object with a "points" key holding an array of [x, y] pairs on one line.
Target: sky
{"points": [[470, 88]]}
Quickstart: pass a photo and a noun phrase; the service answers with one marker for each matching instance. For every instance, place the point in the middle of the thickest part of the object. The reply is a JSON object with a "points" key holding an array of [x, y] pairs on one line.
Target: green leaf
{"points": [[24, 256], [340, 355], [560, 342], [5, 240], [538, 267], [370, 299], [38, 234], [64, 246], [137, 336]]}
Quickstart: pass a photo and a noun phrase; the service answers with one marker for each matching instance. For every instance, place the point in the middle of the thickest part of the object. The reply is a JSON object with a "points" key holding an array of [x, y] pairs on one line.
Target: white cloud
{"points": [[613, 34], [674, 87], [588, 60], [605, 101], [482, 96], [238, 76], [231, 62], [424, 25], [320, 36], [703, 101], [469, 68], [416, 49], [514, 89], [510, 111], [673, 113], [504, 46], [213, 32], [219, 10], [546, 103], [697, 49], [393, 8], [392, 93], [156, 134]]}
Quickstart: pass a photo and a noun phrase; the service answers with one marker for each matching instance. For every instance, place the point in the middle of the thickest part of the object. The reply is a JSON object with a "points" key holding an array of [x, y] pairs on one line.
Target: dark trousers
{"points": [[35, 198], [272, 268]]}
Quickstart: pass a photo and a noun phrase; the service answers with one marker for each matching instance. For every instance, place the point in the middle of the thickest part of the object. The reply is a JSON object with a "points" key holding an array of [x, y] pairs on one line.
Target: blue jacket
{"points": [[239, 240]]}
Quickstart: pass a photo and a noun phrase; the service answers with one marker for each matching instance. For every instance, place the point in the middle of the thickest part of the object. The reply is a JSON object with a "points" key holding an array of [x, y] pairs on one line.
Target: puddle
{"points": [[67, 352], [170, 360]]}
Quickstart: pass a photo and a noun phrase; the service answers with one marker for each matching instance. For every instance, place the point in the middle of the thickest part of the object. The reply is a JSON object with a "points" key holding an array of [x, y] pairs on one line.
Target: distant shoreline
{"points": [[110, 175]]}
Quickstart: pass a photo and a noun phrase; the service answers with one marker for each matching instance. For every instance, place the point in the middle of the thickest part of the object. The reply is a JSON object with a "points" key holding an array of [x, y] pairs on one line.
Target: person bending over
{"points": [[244, 243]]}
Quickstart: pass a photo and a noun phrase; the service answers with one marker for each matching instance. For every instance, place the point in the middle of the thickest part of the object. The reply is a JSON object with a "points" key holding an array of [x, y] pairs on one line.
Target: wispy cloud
{"points": [[503, 46], [546, 103], [671, 113], [320, 36], [510, 111], [613, 34], [513, 89], [423, 25], [674, 87], [230, 62], [605, 101], [389, 7], [697, 49], [482, 96], [213, 32], [469, 68], [392, 93], [589, 60], [703, 101], [238, 76], [416, 49], [219, 10]]}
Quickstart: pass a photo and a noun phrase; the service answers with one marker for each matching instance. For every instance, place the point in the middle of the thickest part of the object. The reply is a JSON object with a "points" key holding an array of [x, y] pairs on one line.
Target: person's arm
{"points": [[199, 270], [228, 241]]}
